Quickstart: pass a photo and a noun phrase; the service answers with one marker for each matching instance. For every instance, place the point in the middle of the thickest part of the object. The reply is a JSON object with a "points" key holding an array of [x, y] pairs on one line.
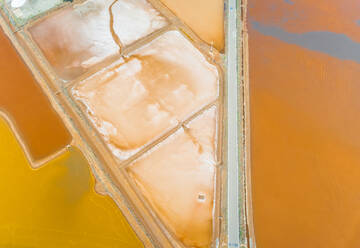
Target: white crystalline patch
{"points": [[120, 154], [107, 129], [90, 35], [150, 93], [17, 3], [155, 114], [194, 80], [178, 180], [130, 68], [91, 61], [88, 6], [18, 12]]}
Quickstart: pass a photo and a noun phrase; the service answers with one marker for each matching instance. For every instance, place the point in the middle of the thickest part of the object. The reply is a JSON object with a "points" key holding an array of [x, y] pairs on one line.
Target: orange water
{"points": [[304, 131], [23, 100], [204, 17]]}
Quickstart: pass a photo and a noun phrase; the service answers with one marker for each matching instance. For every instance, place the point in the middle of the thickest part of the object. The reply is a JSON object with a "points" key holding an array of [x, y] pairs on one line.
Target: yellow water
{"points": [[56, 205]]}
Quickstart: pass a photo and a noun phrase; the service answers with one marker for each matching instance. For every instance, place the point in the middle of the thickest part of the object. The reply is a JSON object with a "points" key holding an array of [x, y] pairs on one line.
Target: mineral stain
{"points": [[333, 44]]}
